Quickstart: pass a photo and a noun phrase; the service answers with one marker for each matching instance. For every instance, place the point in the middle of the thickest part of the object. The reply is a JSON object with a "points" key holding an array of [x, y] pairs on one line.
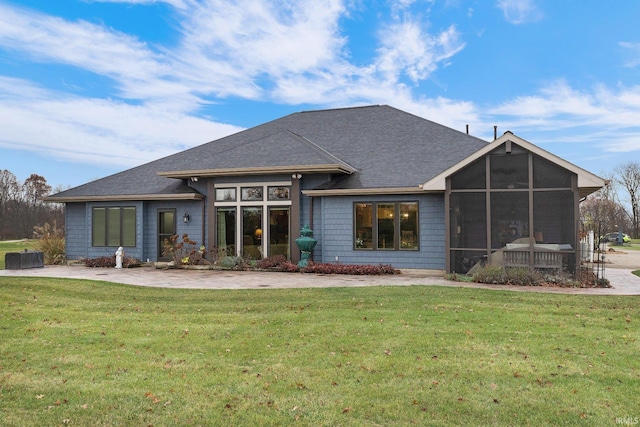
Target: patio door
{"points": [[166, 229], [252, 232], [278, 231]]}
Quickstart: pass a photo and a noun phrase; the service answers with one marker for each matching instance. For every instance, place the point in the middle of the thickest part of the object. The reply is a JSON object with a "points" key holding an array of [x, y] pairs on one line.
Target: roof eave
{"points": [[203, 173], [128, 197], [363, 191], [586, 180]]}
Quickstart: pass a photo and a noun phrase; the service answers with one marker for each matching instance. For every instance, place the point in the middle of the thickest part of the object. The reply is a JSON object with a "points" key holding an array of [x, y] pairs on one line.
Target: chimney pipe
{"points": [[467, 129], [495, 132]]}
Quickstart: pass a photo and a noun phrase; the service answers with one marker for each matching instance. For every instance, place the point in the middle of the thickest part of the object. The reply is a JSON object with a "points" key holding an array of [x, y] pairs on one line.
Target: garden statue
{"points": [[119, 257]]}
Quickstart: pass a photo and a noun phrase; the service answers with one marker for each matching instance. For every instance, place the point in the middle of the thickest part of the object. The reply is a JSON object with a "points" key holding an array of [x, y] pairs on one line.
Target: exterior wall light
{"points": [[186, 217], [296, 175]]}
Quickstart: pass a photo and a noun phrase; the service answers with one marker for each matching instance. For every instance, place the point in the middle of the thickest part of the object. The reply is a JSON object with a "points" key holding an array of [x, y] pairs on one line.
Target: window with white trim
{"points": [[260, 212]]}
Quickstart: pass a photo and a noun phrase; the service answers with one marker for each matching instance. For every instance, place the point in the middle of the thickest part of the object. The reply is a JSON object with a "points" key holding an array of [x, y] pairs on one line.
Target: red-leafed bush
{"points": [[280, 263], [271, 262], [354, 269], [110, 262]]}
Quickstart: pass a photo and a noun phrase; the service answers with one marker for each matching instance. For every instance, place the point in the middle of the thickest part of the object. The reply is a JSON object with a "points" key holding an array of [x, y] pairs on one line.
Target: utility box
{"points": [[24, 259]]}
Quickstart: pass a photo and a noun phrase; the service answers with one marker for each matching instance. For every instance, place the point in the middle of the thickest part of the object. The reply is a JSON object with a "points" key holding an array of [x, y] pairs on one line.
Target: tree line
{"points": [[615, 207], [21, 207]]}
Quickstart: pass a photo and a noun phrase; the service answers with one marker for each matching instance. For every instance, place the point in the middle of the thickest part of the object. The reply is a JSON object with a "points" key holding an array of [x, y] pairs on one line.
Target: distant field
{"points": [[14, 246]]}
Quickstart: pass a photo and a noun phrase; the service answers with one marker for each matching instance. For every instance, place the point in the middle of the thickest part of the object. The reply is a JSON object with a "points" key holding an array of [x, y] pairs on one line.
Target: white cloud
{"points": [[634, 50], [519, 11], [286, 52], [81, 44], [246, 48], [600, 117], [95, 130], [180, 4]]}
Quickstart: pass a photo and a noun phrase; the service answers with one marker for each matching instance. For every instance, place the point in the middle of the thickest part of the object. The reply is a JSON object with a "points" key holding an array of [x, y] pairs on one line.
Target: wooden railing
{"points": [[544, 256]]}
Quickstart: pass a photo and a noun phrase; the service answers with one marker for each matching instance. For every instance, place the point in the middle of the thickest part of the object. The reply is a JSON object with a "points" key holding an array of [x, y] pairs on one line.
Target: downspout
{"points": [[311, 211], [204, 209]]}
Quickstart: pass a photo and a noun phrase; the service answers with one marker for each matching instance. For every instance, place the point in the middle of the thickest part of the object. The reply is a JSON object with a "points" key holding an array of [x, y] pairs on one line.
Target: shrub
{"points": [[491, 274], [110, 262], [233, 263], [274, 261], [354, 269], [277, 263], [184, 251], [280, 263], [51, 243], [496, 275], [522, 276], [588, 279]]}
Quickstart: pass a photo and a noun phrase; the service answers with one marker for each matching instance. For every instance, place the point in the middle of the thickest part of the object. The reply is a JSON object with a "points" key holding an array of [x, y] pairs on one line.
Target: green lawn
{"points": [[633, 245], [14, 246], [92, 353]]}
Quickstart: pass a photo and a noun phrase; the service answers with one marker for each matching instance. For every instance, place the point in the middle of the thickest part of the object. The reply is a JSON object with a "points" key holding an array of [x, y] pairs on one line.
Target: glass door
{"points": [[252, 233], [166, 229], [278, 231]]}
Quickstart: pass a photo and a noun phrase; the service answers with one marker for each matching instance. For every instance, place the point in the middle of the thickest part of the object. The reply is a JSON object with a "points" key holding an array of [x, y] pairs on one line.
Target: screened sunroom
{"points": [[514, 205]]}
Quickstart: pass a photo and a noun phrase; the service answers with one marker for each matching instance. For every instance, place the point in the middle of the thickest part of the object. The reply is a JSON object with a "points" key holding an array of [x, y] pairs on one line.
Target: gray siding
{"points": [[336, 233], [76, 231], [79, 224], [100, 251], [193, 228], [309, 182]]}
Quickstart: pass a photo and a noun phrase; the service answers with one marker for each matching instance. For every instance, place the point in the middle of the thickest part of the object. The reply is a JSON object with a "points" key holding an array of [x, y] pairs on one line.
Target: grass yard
{"points": [[14, 246], [634, 245], [93, 353]]}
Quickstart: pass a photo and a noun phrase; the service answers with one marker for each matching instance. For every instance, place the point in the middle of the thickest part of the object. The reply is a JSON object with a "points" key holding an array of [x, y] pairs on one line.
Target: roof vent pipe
{"points": [[495, 132], [467, 129]]}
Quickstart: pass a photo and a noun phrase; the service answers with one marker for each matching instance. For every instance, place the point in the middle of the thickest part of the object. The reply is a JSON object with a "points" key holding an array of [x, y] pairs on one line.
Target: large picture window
{"points": [[386, 226], [253, 219], [114, 226]]}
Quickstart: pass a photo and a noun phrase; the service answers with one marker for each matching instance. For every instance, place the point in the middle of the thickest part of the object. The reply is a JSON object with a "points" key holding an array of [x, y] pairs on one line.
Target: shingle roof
{"points": [[376, 146]]}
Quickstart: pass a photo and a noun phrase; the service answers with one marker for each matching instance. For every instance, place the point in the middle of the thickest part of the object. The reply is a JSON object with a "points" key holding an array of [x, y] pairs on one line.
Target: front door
{"points": [[166, 229]]}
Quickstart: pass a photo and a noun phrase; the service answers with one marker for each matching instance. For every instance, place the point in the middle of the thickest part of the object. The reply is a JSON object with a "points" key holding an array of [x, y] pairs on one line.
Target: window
{"points": [[279, 193], [114, 226], [386, 226], [252, 218], [226, 230], [225, 194], [251, 194]]}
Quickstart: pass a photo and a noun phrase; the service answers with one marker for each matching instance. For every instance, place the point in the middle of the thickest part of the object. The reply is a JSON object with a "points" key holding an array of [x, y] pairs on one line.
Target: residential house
{"points": [[376, 185]]}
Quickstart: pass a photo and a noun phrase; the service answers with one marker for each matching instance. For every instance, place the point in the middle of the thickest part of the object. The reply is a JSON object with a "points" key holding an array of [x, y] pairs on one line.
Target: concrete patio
{"points": [[622, 281]]}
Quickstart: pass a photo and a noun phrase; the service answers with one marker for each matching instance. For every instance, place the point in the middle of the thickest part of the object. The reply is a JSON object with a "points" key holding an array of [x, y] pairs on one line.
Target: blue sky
{"points": [[92, 87]]}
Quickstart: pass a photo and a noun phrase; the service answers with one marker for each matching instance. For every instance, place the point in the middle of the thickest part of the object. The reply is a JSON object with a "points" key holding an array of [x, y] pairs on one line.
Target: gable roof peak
{"points": [[587, 182]]}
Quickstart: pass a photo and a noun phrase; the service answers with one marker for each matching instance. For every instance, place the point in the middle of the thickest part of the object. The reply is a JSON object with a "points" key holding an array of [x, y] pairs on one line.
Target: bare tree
{"points": [[21, 207], [9, 201], [629, 177], [601, 212]]}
